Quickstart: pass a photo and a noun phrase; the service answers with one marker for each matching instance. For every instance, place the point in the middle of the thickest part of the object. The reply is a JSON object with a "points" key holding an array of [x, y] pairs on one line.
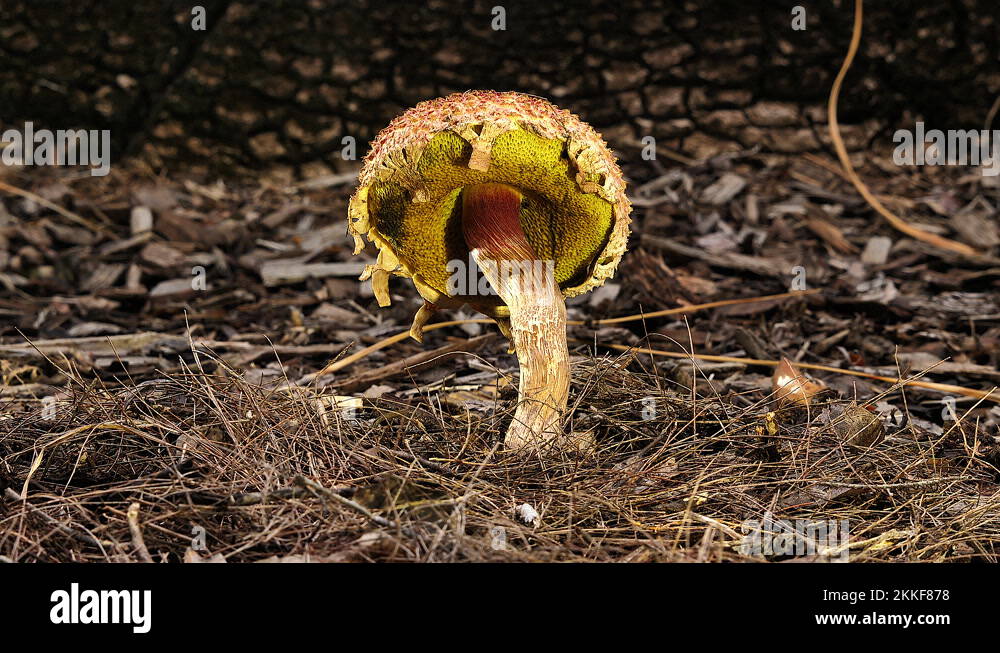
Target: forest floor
{"points": [[160, 339]]}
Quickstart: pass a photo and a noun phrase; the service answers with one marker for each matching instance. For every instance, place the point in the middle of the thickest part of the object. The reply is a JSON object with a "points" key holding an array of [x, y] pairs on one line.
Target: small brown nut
{"points": [[859, 427]]}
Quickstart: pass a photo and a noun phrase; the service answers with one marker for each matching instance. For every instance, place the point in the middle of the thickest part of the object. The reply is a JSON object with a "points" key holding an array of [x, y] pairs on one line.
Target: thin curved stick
{"points": [[340, 364], [992, 395], [838, 144]]}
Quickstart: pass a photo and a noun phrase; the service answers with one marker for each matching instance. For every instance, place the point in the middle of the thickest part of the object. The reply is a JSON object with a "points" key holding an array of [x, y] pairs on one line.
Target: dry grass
{"points": [[268, 475]]}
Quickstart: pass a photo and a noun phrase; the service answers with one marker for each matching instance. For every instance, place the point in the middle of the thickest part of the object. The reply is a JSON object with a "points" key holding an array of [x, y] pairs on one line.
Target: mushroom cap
{"points": [[408, 200]]}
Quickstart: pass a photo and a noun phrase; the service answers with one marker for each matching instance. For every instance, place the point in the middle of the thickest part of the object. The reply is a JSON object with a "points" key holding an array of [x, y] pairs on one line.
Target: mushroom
{"points": [[514, 186]]}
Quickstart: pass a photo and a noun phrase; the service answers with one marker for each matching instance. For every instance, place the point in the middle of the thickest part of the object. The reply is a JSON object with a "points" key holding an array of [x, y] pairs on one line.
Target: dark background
{"points": [[280, 83]]}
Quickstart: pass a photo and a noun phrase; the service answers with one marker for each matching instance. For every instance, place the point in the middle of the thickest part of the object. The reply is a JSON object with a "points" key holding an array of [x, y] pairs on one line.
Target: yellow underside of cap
{"points": [[423, 225]]}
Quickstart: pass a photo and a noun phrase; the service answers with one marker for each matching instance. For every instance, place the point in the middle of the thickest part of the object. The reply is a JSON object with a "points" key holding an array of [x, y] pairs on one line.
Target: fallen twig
{"points": [[757, 265], [86, 538], [325, 493], [136, 531], [69, 215], [410, 363], [341, 363], [992, 395], [838, 144]]}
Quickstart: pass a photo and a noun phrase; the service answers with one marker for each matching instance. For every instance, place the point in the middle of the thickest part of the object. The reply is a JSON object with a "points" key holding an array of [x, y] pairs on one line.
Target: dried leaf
{"points": [[791, 386]]}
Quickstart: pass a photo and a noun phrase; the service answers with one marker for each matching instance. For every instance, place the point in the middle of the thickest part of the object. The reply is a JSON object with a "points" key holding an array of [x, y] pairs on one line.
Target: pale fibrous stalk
{"points": [[538, 332], [528, 287]]}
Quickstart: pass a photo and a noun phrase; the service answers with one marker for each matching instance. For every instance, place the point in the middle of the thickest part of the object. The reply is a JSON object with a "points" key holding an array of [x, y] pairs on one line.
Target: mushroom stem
{"points": [[527, 285], [538, 332]]}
